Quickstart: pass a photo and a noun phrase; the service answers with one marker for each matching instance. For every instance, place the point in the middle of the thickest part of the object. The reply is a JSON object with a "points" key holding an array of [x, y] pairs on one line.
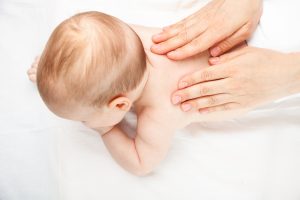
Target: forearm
{"points": [[135, 155], [293, 59]]}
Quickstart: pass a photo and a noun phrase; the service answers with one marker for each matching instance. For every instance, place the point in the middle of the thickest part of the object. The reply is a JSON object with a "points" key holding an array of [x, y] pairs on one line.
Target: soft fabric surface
{"points": [[44, 157]]}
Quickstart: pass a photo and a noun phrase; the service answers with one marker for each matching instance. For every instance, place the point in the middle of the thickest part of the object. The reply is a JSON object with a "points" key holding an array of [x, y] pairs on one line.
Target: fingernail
{"points": [[186, 107], [176, 99], [216, 51], [183, 84], [214, 60]]}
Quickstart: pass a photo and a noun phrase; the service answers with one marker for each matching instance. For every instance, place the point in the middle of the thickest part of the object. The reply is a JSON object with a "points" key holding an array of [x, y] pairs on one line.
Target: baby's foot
{"points": [[32, 71]]}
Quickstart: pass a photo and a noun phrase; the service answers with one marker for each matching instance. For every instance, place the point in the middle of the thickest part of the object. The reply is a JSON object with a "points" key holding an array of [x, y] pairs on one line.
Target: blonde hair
{"points": [[90, 58]]}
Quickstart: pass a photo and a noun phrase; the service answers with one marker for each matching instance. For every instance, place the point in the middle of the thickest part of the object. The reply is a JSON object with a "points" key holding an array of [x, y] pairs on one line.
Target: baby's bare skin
{"points": [[158, 118]]}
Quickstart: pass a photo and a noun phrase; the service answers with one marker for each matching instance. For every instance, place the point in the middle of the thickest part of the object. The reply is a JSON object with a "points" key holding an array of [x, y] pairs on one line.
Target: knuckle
{"points": [[204, 90], [170, 32], [195, 104], [175, 29], [190, 80], [183, 37], [191, 48], [184, 96], [212, 100], [206, 75], [227, 106]]}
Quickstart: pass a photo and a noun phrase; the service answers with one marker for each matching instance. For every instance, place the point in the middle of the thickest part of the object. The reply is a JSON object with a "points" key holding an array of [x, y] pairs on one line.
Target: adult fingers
{"points": [[174, 29], [171, 31], [165, 35], [200, 90], [225, 58], [230, 42], [203, 75], [206, 102], [220, 108], [184, 36], [203, 42]]}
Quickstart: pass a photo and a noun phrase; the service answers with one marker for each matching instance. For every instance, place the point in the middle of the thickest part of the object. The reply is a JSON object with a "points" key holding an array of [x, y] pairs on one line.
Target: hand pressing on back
{"points": [[219, 26]]}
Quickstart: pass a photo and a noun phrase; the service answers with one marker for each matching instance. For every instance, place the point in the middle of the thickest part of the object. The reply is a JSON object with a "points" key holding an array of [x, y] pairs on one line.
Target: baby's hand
{"points": [[32, 71]]}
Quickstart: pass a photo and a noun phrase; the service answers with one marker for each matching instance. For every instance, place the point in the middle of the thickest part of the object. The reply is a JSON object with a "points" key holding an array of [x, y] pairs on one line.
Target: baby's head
{"points": [[92, 69]]}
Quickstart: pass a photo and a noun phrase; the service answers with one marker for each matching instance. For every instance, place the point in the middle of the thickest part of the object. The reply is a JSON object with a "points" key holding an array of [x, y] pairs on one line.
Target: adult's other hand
{"points": [[220, 25], [242, 79]]}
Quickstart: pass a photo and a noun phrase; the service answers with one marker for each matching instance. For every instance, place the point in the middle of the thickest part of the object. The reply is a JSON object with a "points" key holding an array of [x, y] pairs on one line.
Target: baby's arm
{"points": [[141, 154]]}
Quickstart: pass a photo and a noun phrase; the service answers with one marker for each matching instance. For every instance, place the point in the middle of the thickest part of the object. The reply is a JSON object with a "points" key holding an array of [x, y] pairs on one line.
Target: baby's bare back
{"points": [[163, 81]]}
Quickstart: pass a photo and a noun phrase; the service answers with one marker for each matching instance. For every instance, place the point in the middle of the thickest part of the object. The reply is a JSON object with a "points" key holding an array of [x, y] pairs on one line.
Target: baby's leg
{"points": [[32, 71]]}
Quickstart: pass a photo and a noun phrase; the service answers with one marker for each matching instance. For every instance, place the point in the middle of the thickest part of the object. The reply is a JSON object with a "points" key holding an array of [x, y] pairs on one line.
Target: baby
{"points": [[95, 68]]}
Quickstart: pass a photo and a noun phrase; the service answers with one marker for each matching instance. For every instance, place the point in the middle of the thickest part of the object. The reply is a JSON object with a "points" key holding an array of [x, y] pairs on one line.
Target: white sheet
{"points": [[43, 157]]}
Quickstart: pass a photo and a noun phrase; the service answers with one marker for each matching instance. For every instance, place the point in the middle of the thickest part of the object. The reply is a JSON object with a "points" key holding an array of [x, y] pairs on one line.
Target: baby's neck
{"points": [[145, 34], [137, 94]]}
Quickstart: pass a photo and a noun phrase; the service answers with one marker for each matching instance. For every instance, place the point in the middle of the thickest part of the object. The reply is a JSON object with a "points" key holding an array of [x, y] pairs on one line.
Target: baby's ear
{"points": [[120, 103]]}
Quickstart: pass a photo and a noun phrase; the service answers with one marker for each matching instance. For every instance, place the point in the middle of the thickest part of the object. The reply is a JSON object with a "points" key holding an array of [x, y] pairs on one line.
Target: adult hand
{"points": [[242, 79], [221, 24]]}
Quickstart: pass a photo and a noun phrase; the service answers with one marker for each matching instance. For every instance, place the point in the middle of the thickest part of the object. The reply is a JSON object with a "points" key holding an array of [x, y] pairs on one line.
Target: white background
{"points": [[44, 157]]}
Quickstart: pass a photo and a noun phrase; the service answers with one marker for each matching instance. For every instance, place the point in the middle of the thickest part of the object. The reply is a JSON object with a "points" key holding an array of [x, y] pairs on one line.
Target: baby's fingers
{"points": [[32, 71], [32, 77]]}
